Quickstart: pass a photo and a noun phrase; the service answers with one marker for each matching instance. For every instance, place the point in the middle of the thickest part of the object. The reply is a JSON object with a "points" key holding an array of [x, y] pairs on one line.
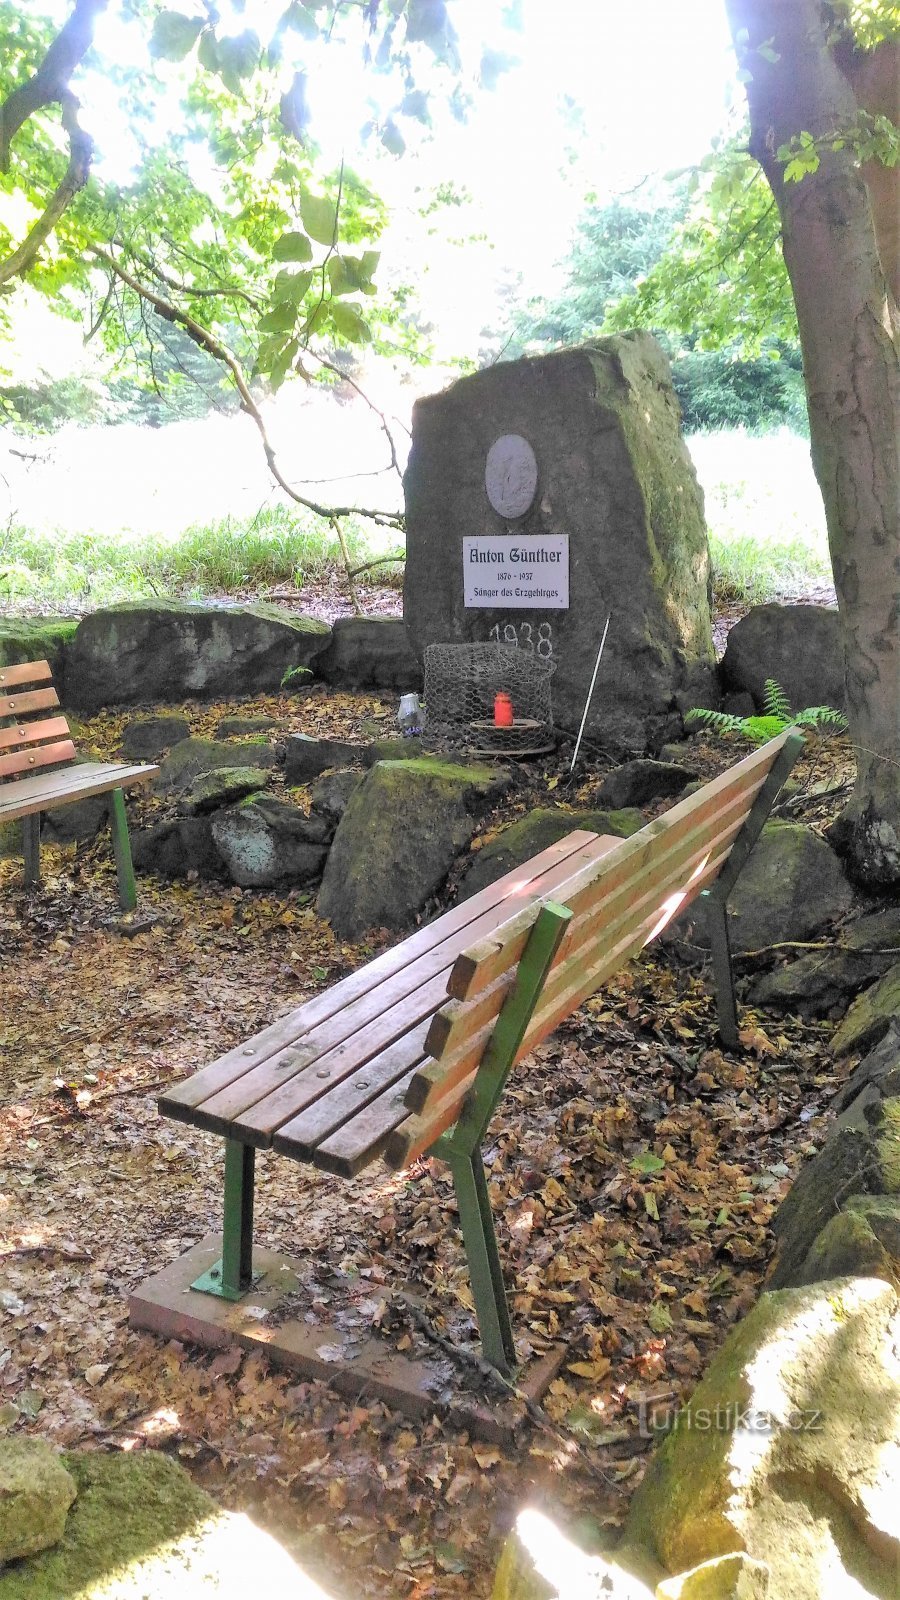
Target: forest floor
{"points": [[635, 1167]]}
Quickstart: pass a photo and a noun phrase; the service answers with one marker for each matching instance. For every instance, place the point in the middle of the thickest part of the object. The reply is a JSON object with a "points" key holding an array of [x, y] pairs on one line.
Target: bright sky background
{"points": [[606, 96]]}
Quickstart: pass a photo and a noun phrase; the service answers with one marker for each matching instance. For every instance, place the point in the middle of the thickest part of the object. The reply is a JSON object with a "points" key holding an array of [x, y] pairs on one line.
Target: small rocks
{"points": [[36, 1492], [147, 738], [264, 841], [221, 787], [307, 758], [638, 782], [239, 727], [331, 794], [191, 757]]}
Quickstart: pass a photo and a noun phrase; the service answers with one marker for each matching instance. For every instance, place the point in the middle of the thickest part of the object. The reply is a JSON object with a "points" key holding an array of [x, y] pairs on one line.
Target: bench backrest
{"points": [[31, 735], [618, 904]]}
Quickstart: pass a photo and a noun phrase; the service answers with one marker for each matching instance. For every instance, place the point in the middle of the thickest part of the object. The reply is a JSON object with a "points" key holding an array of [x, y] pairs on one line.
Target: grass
{"points": [[766, 527], [765, 515], [224, 557]]}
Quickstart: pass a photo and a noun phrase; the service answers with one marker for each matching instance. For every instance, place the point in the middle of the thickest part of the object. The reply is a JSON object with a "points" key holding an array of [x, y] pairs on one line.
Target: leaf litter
{"points": [[634, 1168]]}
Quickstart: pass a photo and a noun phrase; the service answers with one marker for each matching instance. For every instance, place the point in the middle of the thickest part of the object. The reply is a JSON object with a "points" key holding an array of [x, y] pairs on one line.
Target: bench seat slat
{"points": [[26, 733], [15, 705], [30, 757], [358, 1143], [24, 672], [371, 990], [304, 1133], [22, 797]]}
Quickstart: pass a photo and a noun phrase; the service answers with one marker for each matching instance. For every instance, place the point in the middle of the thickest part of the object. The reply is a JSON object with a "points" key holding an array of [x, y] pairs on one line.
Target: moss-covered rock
{"points": [[791, 887], [37, 639], [735, 1577], [36, 1492], [540, 1561], [141, 1530], [264, 841], [177, 846], [147, 738], [306, 758], [870, 1015], [787, 1450], [168, 650], [402, 830], [192, 757], [239, 727], [848, 1246], [636, 783], [222, 787], [536, 832], [856, 1160]]}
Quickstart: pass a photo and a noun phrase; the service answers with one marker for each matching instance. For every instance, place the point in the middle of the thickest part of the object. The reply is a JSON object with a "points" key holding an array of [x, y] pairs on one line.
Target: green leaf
{"points": [[291, 287], [660, 1318], [349, 323], [647, 1163], [280, 319], [174, 35], [238, 57], [368, 265], [415, 104], [343, 275], [426, 20], [208, 51], [301, 21], [282, 362], [292, 247], [319, 217], [650, 1205], [392, 138]]}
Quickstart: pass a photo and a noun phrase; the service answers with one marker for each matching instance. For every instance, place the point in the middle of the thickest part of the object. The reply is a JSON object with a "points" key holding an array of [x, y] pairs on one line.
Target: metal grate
{"points": [[462, 682]]}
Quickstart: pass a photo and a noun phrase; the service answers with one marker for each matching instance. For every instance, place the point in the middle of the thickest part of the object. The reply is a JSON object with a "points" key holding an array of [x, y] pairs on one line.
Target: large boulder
{"points": [[791, 887], [147, 738], [264, 841], [140, 1529], [170, 650], [192, 757], [615, 476], [788, 1450], [221, 787], [37, 639], [821, 983], [862, 1157], [870, 1015], [401, 831], [306, 757], [36, 1492], [177, 846], [861, 1241], [537, 831], [636, 783], [370, 653], [799, 646]]}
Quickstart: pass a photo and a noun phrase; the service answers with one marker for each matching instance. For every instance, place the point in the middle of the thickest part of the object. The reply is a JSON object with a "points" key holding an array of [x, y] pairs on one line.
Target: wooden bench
{"points": [[35, 739], [409, 1055]]}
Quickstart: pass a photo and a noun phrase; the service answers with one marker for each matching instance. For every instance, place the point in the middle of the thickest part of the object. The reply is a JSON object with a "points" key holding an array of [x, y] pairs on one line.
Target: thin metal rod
{"points": [[590, 694]]}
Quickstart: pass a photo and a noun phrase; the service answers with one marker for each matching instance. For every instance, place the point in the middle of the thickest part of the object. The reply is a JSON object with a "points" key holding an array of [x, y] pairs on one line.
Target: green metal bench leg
{"points": [[484, 1260], [122, 852], [232, 1276], [720, 949], [31, 847]]}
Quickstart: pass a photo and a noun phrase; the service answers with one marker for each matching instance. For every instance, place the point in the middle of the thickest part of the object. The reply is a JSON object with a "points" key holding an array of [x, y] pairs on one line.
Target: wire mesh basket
{"points": [[462, 685]]}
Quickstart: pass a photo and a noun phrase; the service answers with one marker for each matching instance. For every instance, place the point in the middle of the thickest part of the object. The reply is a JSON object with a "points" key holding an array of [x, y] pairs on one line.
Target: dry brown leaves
{"points": [[635, 1167]]}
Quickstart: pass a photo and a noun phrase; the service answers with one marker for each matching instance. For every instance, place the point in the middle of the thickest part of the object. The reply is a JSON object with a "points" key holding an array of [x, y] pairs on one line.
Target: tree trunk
{"points": [[850, 338]]}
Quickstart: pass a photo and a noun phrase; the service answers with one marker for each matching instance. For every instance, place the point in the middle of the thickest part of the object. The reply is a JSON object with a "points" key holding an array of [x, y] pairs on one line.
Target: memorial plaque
{"points": [[510, 476], [512, 573]]}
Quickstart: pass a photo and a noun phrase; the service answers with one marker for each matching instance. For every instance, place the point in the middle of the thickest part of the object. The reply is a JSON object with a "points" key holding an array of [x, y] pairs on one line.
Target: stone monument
{"points": [[545, 494]]}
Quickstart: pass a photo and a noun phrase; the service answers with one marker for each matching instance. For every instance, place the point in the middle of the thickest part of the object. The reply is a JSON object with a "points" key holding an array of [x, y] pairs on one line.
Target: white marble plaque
{"points": [[512, 573], [511, 475]]}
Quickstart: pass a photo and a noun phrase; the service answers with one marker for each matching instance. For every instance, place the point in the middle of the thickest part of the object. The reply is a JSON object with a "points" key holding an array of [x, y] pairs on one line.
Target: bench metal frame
{"points": [[460, 1146]]}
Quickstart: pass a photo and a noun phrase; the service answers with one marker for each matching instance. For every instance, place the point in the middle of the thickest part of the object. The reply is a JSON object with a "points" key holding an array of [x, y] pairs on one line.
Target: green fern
{"points": [[776, 716]]}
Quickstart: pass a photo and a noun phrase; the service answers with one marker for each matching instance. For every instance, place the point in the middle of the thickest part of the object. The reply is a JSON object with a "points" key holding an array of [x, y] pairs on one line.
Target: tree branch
{"points": [[207, 341], [49, 85]]}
